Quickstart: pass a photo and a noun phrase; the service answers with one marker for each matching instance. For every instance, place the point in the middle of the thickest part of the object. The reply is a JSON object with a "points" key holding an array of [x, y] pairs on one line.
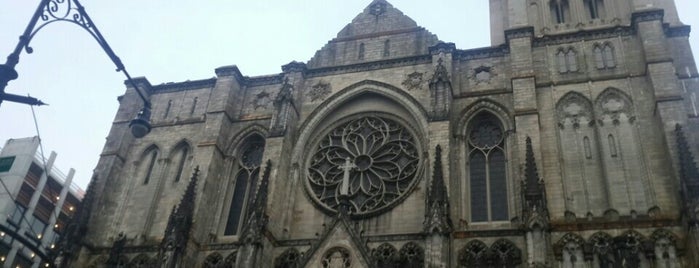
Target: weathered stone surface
{"points": [[602, 135]]}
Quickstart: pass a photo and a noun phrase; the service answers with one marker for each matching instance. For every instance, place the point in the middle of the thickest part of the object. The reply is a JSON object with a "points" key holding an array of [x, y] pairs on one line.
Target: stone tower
{"points": [[569, 142]]}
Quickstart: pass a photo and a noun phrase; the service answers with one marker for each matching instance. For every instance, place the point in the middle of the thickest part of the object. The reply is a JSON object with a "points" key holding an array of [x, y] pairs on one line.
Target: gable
{"points": [[340, 237], [380, 32]]}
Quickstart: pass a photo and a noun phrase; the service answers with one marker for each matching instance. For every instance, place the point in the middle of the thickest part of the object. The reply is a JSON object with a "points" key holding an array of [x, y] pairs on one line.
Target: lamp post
{"points": [[51, 11], [48, 12]]}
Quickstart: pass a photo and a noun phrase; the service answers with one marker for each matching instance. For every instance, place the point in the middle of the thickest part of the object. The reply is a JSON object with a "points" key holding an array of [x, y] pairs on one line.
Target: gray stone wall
{"points": [[593, 184]]}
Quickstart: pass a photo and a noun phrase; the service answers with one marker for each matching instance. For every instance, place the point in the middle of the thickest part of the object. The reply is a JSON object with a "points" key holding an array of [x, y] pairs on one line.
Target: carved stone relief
{"points": [[413, 81], [261, 100], [611, 104], [337, 258], [574, 109], [319, 91], [483, 74]]}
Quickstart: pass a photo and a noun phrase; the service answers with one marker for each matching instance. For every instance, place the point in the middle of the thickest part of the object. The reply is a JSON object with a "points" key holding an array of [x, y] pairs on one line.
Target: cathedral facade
{"points": [[567, 143]]}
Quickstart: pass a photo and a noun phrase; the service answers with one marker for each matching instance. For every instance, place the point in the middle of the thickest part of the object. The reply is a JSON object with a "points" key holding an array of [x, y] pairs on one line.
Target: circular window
{"points": [[379, 156]]}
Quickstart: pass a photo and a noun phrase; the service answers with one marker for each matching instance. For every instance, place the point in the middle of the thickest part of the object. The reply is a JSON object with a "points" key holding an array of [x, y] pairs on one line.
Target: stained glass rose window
{"points": [[381, 157]]}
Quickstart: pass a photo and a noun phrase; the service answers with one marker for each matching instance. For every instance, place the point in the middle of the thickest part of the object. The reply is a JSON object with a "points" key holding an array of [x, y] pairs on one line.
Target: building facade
{"points": [[37, 202], [567, 143]]}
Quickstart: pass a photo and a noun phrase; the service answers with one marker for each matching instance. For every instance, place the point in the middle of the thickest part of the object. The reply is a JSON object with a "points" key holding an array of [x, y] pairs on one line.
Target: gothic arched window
{"points": [[474, 254], [180, 159], [411, 255], [385, 256], [567, 60], [487, 169], [150, 158], [246, 172], [604, 56], [595, 8], [560, 11]]}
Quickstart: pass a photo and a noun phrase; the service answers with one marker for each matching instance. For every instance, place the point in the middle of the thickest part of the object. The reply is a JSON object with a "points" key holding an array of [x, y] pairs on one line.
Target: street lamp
{"points": [[50, 11]]}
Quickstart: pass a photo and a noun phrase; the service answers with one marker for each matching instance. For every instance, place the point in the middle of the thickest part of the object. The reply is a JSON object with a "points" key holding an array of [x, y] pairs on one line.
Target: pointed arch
{"points": [[413, 110], [488, 105], [665, 248], [411, 255], [180, 155], [486, 153], [506, 254], [236, 140], [385, 255], [243, 175], [474, 254], [612, 103], [578, 147], [570, 249], [148, 163], [629, 249], [620, 142], [573, 104], [570, 238], [560, 11]]}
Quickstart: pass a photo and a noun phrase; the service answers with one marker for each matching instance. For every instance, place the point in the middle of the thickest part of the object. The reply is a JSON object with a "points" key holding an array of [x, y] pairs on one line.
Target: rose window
{"points": [[379, 158]]}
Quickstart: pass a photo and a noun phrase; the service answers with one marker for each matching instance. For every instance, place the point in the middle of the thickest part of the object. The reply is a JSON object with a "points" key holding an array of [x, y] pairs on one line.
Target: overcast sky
{"points": [[173, 41]]}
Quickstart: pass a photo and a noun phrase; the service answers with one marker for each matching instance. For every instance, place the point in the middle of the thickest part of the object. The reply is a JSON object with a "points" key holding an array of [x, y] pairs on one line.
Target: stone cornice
{"points": [[647, 15], [522, 32], [230, 70], [678, 31], [482, 53], [263, 80], [186, 85], [369, 66], [582, 35]]}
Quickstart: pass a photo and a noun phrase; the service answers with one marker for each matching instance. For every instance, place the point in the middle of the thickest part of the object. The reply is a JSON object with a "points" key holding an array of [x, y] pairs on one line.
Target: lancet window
{"points": [[245, 173], [151, 159], [595, 8], [567, 60], [604, 56], [487, 169], [560, 11], [180, 159]]}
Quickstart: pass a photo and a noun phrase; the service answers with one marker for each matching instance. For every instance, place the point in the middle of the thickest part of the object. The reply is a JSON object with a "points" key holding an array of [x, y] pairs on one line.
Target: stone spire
{"points": [[256, 219], [172, 248], [533, 190], [256, 222], [437, 219]]}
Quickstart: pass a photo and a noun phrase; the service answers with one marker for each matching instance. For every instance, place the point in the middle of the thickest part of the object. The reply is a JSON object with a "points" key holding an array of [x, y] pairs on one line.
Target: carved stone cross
{"points": [[347, 167]]}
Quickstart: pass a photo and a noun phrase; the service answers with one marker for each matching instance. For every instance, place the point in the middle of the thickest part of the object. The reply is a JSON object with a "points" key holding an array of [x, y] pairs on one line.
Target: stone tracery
{"points": [[386, 159]]}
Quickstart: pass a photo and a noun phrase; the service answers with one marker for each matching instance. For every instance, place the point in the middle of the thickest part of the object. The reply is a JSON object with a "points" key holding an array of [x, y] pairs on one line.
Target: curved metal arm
{"points": [[49, 12]]}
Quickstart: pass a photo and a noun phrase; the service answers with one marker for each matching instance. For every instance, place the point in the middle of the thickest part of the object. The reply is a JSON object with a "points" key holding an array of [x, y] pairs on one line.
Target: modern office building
{"points": [[37, 202]]}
